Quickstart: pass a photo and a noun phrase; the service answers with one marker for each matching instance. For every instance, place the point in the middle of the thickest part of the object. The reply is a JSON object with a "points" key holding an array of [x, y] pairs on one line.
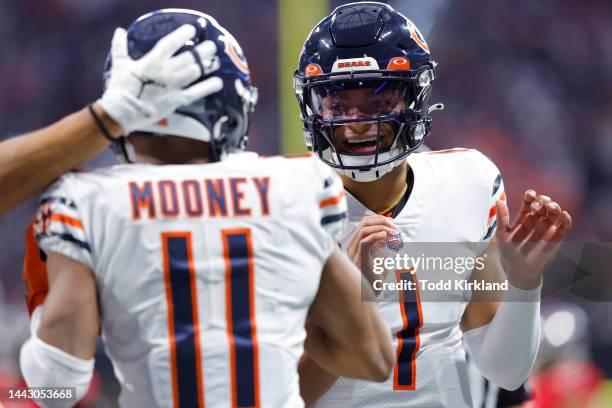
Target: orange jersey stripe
{"points": [[492, 211], [332, 200], [169, 305], [196, 321], [253, 323], [67, 220]]}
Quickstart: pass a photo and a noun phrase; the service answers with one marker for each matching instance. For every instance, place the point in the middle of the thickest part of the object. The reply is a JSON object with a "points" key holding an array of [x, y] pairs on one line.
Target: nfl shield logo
{"points": [[395, 242]]}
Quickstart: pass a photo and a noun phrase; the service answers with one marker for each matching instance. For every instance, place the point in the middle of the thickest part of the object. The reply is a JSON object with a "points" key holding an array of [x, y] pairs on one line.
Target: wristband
{"points": [[100, 124]]}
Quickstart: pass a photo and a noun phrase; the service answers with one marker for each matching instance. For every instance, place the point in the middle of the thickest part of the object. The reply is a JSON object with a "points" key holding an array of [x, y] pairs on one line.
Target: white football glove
{"points": [[142, 92]]}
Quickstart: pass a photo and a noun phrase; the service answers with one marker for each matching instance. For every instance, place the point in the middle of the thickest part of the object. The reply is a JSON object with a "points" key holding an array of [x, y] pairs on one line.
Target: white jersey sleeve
{"points": [[322, 197], [491, 180], [332, 202], [59, 225]]}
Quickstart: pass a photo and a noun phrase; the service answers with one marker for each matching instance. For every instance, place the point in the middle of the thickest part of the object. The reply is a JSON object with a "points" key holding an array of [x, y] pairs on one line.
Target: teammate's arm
{"points": [[347, 336], [503, 334], [60, 350], [315, 381], [30, 162]]}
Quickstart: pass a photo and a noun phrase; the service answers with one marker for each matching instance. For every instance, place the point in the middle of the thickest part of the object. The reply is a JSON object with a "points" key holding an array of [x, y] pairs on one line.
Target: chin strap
{"points": [[122, 149]]}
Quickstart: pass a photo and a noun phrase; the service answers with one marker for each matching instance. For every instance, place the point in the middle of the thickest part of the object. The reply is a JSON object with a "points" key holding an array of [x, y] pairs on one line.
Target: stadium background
{"points": [[527, 82]]}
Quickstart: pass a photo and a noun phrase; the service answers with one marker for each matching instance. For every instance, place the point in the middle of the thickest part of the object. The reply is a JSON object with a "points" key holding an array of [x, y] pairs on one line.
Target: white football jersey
{"points": [[205, 273], [452, 200]]}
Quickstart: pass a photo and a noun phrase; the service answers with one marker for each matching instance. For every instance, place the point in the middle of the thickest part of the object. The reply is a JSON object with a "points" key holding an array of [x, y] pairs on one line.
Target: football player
{"points": [[363, 85], [200, 277], [30, 162]]}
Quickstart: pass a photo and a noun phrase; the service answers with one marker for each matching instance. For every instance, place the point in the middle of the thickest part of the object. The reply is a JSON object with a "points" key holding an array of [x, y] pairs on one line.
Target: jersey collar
{"points": [[411, 211]]}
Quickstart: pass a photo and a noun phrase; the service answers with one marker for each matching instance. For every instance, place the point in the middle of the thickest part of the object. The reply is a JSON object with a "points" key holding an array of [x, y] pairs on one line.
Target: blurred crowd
{"points": [[527, 82]]}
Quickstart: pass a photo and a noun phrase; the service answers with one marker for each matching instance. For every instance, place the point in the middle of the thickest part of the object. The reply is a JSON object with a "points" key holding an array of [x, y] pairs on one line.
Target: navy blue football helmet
{"points": [[222, 118], [365, 65]]}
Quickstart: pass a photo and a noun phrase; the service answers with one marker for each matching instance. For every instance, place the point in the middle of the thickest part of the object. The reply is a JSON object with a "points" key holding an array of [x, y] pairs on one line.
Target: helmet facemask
{"points": [[372, 44], [365, 124]]}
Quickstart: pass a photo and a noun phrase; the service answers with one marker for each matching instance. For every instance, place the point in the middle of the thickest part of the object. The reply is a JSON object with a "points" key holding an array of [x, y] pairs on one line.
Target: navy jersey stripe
{"points": [[328, 219], [242, 326], [65, 237], [61, 200], [490, 230], [328, 182], [180, 285], [496, 184], [408, 335]]}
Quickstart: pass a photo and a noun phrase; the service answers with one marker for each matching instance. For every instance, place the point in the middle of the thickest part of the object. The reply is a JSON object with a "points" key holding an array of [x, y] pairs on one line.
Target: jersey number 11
{"points": [[183, 320]]}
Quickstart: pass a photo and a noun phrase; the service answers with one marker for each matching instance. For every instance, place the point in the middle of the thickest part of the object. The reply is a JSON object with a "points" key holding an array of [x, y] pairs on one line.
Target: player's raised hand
{"points": [[373, 229], [528, 245], [141, 92]]}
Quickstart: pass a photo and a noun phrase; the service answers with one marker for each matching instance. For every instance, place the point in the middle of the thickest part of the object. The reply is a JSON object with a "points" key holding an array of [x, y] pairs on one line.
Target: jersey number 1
{"points": [[183, 321], [408, 341]]}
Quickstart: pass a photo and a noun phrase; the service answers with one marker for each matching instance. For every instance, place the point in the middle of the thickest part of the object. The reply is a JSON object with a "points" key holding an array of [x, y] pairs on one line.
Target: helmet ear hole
{"points": [[233, 130], [231, 123]]}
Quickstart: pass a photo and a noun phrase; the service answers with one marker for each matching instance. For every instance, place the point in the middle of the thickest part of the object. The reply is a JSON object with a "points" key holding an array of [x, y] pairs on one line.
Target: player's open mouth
{"points": [[360, 145]]}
